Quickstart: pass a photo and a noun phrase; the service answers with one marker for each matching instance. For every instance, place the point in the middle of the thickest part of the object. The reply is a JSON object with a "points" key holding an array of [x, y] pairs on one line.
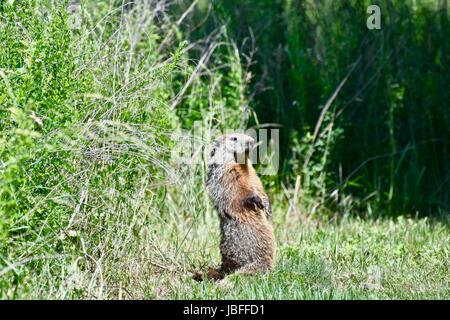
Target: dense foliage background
{"points": [[93, 95], [389, 125]]}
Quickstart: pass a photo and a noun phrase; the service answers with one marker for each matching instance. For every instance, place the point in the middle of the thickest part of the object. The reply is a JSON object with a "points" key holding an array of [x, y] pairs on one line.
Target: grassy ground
{"points": [[406, 259]]}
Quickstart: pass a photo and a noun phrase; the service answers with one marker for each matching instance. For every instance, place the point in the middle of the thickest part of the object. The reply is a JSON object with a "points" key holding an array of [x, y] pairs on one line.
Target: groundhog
{"points": [[247, 241]]}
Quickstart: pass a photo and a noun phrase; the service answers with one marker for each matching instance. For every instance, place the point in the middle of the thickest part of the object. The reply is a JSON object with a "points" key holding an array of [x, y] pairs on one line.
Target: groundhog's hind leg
{"points": [[212, 274]]}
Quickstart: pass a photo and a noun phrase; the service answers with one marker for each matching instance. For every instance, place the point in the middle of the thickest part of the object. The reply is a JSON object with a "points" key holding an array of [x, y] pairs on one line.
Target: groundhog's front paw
{"points": [[253, 201]]}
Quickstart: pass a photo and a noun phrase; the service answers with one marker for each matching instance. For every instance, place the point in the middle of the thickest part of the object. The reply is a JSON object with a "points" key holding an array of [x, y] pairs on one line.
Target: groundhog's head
{"points": [[230, 148]]}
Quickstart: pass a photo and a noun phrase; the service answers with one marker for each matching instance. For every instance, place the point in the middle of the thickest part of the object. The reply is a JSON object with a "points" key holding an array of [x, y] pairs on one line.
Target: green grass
{"points": [[141, 255], [355, 259]]}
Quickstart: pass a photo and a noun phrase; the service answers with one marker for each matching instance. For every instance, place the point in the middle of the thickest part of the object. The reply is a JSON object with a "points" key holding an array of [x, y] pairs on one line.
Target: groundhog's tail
{"points": [[212, 274]]}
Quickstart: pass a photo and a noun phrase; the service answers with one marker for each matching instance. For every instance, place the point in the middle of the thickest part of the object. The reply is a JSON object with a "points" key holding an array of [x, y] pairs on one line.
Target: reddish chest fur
{"points": [[242, 182]]}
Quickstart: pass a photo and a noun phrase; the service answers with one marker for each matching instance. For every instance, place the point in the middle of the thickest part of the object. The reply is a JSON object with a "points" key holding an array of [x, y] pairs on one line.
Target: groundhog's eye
{"points": [[233, 138]]}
